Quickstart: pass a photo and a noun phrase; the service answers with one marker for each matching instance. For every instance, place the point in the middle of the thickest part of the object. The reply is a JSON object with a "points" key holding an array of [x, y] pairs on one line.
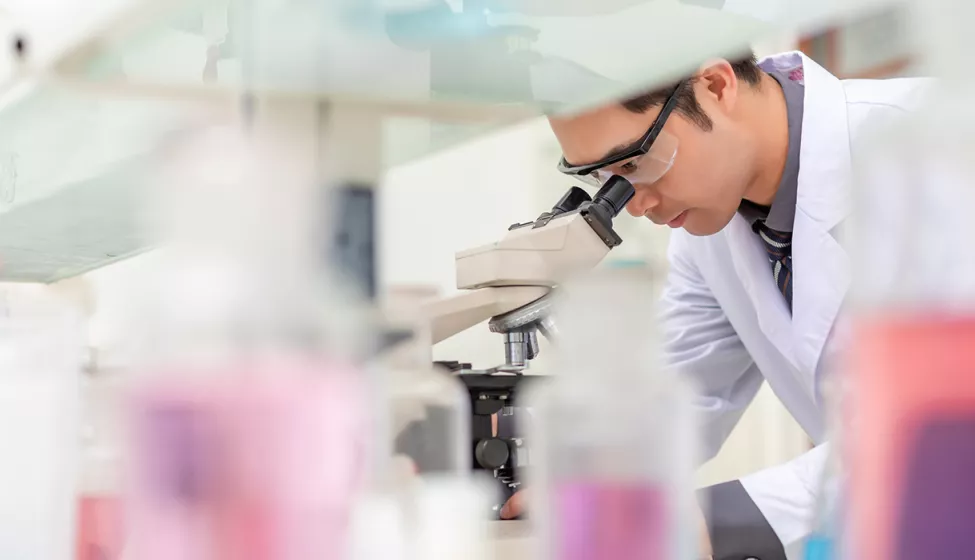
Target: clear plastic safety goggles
{"points": [[642, 163]]}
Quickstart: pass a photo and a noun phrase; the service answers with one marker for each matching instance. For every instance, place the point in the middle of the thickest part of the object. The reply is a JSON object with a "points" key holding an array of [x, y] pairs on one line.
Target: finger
{"points": [[514, 506]]}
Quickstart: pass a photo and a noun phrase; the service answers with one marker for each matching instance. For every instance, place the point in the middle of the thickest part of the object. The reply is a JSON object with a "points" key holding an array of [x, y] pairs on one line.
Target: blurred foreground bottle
{"points": [[429, 409], [40, 363], [825, 536], [613, 432], [101, 532], [829, 534], [249, 423], [913, 453], [422, 498]]}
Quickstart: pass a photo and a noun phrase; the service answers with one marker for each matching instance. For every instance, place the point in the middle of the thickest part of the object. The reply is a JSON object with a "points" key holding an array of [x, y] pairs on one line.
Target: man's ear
{"points": [[720, 83]]}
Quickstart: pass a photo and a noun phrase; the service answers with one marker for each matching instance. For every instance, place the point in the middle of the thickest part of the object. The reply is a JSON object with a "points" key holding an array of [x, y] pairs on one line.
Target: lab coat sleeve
{"points": [[786, 496], [767, 514], [699, 342]]}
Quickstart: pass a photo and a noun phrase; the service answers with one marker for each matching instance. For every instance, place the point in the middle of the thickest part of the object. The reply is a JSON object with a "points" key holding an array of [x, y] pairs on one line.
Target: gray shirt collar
{"points": [[781, 214]]}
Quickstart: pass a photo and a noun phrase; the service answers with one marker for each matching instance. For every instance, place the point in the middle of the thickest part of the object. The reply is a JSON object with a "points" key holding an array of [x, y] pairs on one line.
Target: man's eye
{"points": [[628, 167]]}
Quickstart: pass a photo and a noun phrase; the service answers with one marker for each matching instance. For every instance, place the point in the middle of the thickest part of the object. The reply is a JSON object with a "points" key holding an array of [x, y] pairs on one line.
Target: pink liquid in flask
{"points": [[261, 463], [603, 520], [913, 461]]}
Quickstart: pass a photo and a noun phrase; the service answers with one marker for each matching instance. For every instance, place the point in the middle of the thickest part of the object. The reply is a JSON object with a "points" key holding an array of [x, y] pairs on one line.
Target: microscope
{"points": [[510, 284]]}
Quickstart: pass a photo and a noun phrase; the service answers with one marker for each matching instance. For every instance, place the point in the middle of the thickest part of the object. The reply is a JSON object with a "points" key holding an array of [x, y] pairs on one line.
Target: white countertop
{"points": [[512, 540]]}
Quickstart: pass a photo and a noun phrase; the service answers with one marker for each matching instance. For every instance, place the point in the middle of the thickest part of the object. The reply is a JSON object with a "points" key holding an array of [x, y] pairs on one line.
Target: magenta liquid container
{"points": [[261, 462], [250, 428], [912, 358], [611, 520], [613, 433]]}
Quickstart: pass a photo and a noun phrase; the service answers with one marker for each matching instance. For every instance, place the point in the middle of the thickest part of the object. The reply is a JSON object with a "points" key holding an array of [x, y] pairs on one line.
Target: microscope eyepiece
{"points": [[614, 195], [599, 211], [571, 200]]}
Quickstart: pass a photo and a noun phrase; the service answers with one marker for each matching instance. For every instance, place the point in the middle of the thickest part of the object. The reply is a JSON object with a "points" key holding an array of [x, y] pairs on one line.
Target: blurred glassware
{"points": [[101, 531], [378, 529], [614, 432], [914, 421], [423, 461], [913, 358], [40, 359], [429, 410], [829, 536], [450, 522], [249, 423]]}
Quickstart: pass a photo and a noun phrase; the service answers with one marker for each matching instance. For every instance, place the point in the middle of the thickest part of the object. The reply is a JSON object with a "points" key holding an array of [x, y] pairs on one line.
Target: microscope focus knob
{"points": [[491, 453]]}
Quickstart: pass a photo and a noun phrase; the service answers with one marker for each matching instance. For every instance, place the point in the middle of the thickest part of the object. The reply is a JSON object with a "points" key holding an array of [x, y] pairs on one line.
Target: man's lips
{"points": [[678, 221]]}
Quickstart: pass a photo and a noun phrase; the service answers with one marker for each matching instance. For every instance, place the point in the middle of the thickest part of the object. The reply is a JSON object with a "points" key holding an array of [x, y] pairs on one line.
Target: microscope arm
{"points": [[458, 313]]}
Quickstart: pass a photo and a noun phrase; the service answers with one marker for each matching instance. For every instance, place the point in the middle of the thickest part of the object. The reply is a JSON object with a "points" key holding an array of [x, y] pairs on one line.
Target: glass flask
{"points": [[613, 431], [428, 407], [248, 421], [913, 355], [41, 355]]}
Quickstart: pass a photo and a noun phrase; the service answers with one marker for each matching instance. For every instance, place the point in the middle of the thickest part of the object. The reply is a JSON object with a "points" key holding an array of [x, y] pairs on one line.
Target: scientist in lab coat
{"points": [[750, 163]]}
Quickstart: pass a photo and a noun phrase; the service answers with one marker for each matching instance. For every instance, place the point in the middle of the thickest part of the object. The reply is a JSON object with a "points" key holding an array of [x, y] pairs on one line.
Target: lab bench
{"points": [[512, 540]]}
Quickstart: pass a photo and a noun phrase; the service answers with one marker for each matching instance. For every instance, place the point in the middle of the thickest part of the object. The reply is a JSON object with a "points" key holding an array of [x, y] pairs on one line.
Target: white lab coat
{"points": [[727, 326]]}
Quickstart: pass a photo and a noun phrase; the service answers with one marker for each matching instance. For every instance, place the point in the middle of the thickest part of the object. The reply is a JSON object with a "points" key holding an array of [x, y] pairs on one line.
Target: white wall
{"points": [[461, 198]]}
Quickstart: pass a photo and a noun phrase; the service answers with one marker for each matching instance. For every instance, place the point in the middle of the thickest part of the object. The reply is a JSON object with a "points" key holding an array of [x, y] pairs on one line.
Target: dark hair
{"points": [[746, 69]]}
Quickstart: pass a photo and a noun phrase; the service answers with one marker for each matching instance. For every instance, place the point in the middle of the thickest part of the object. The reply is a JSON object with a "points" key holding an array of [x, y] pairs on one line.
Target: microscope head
{"points": [[573, 237], [509, 280]]}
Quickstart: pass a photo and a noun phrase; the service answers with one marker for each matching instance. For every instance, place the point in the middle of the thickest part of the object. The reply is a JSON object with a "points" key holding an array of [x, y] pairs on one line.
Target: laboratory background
{"points": [[262, 296]]}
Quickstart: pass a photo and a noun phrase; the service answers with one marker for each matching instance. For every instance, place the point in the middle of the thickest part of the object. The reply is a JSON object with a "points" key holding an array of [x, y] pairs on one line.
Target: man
{"points": [[750, 163]]}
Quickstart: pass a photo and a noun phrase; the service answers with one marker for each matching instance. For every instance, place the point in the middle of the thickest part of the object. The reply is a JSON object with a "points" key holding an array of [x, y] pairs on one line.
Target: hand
{"points": [[515, 506]]}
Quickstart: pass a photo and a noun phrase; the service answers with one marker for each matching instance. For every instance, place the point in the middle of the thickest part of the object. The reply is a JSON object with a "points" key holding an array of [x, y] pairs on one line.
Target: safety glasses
{"points": [[642, 163]]}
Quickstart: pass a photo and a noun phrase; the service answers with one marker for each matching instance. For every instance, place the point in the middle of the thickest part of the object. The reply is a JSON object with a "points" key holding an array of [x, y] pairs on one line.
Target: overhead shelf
{"points": [[438, 72], [550, 55], [74, 165], [68, 170]]}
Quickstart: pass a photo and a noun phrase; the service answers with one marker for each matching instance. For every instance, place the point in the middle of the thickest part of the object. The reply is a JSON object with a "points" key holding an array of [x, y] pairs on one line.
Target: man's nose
{"points": [[642, 202]]}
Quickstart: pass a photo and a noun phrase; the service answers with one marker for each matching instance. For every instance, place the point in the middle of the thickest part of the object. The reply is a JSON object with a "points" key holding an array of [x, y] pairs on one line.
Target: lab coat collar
{"points": [[755, 272], [825, 169], [821, 266]]}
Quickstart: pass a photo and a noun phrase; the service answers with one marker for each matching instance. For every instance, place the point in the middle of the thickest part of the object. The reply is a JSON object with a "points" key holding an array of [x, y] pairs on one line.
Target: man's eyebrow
{"points": [[621, 148]]}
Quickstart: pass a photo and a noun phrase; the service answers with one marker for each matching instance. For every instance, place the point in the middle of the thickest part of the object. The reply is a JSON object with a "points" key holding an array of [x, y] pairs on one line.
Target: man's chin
{"points": [[700, 228]]}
